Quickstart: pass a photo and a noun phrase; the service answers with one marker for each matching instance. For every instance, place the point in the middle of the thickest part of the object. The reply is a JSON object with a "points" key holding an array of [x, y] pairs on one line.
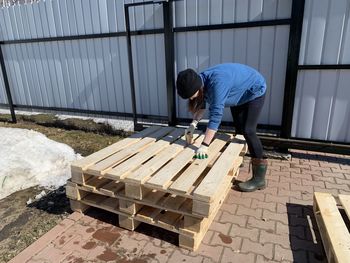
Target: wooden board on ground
{"points": [[334, 232]]}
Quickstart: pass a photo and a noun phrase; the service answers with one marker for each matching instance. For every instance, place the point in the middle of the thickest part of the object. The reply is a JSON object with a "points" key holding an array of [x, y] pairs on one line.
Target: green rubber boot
{"points": [[257, 182]]}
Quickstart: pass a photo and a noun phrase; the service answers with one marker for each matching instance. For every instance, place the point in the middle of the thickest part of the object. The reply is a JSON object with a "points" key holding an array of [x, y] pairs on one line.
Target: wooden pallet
{"points": [[155, 180], [334, 232]]}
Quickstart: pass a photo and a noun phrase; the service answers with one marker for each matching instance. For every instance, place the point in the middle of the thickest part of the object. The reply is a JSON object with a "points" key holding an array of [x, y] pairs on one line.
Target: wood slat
{"points": [[334, 233], [212, 182], [105, 165], [122, 170], [169, 220], [145, 172], [345, 201], [83, 164], [186, 180], [162, 178], [148, 214], [112, 188]]}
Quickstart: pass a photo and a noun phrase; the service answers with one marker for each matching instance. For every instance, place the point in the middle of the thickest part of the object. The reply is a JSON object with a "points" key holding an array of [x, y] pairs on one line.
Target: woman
{"points": [[233, 85]]}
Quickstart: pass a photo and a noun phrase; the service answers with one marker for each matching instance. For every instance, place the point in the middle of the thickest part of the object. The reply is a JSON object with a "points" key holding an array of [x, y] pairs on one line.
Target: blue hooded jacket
{"points": [[227, 85]]}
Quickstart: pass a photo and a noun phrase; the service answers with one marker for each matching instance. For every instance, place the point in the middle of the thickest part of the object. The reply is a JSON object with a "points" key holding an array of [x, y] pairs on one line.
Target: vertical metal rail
{"points": [[7, 86], [170, 61], [131, 68], [295, 33], [169, 58]]}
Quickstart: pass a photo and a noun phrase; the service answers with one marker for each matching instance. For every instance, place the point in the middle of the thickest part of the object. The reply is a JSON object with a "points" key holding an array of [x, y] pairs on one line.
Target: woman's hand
{"points": [[202, 152], [190, 130]]}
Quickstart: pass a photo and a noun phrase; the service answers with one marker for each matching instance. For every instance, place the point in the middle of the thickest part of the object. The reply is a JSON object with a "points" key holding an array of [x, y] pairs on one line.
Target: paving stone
{"points": [[289, 255], [213, 252], [160, 254], [313, 183], [276, 199], [275, 216], [257, 248], [280, 239], [264, 205], [234, 219], [177, 257], [230, 256], [251, 233], [232, 241], [336, 173], [338, 185], [231, 208], [261, 259], [263, 223], [283, 192], [53, 254], [223, 228], [242, 210], [279, 185], [302, 188]]}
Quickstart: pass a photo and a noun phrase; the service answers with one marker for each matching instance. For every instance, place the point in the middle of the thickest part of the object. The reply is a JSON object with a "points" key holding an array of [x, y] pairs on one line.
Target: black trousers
{"points": [[245, 119]]}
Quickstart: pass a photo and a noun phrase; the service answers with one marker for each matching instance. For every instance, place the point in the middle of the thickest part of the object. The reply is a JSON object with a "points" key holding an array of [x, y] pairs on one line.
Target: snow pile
{"points": [[29, 158]]}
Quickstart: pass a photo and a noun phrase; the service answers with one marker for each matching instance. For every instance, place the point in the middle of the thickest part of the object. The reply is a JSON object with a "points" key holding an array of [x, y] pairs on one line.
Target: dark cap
{"points": [[188, 83]]}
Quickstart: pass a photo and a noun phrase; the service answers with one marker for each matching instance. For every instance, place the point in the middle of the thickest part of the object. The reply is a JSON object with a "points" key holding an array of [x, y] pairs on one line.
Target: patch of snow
{"points": [[29, 158]]}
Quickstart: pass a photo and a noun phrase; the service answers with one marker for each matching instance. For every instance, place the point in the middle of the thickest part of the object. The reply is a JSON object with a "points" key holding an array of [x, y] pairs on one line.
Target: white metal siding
{"points": [[322, 105], [262, 48], [52, 18], [326, 32], [3, 98], [208, 12]]}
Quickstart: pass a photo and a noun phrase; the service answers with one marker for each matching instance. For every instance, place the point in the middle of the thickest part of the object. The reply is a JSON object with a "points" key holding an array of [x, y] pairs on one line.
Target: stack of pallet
{"points": [[333, 228], [152, 177]]}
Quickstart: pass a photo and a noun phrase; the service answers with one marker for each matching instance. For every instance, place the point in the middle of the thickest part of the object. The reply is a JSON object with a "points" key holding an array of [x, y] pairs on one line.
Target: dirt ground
{"points": [[22, 224]]}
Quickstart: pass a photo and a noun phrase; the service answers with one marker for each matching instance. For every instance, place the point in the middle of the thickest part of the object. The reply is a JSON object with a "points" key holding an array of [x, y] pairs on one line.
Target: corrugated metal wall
{"points": [[3, 98], [264, 48], [84, 74], [322, 105], [93, 74]]}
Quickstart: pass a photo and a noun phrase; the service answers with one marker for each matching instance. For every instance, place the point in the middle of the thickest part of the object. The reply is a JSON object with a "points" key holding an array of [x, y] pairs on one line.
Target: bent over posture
{"points": [[233, 85]]}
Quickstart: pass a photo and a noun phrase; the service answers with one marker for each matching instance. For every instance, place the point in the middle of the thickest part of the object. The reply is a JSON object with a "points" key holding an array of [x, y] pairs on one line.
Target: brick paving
{"points": [[272, 225]]}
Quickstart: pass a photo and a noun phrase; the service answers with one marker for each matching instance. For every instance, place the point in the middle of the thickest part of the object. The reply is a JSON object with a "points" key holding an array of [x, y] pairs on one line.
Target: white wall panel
{"points": [[326, 32], [52, 18], [262, 48], [208, 12], [322, 106]]}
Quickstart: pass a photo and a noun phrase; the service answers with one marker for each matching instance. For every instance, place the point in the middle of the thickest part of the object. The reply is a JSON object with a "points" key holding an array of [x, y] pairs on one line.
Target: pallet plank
{"points": [[145, 172], [112, 188], [334, 233], [345, 201], [124, 169], [192, 173], [83, 164], [105, 165], [208, 188], [162, 179]]}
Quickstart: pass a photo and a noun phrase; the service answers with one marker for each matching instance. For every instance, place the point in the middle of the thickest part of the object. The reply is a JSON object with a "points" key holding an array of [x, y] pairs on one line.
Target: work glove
{"points": [[202, 152], [190, 130]]}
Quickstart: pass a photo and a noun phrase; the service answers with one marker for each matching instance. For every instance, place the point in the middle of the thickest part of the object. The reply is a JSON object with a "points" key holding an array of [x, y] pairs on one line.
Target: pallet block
{"points": [[334, 232], [152, 177]]}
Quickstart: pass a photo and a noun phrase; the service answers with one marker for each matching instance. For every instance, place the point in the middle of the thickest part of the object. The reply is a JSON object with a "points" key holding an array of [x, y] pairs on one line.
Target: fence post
{"points": [[7, 86], [295, 33], [169, 60]]}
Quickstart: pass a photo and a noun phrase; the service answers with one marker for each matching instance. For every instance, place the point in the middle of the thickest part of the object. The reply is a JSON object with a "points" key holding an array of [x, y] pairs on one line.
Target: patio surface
{"points": [[271, 225]]}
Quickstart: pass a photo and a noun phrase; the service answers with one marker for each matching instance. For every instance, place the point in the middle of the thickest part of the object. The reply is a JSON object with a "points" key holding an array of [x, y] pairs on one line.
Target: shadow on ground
{"points": [[304, 235], [146, 229]]}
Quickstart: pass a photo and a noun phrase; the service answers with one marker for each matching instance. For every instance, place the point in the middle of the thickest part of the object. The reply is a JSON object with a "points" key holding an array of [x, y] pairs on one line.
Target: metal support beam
{"points": [[7, 86], [169, 60], [292, 66]]}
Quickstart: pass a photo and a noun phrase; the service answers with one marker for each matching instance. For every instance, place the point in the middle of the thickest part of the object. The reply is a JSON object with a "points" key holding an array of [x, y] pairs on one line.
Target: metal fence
{"points": [[93, 57]]}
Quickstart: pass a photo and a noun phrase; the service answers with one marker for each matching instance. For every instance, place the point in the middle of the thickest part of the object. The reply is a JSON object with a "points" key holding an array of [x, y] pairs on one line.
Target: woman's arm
{"points": [[209, 135]]}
